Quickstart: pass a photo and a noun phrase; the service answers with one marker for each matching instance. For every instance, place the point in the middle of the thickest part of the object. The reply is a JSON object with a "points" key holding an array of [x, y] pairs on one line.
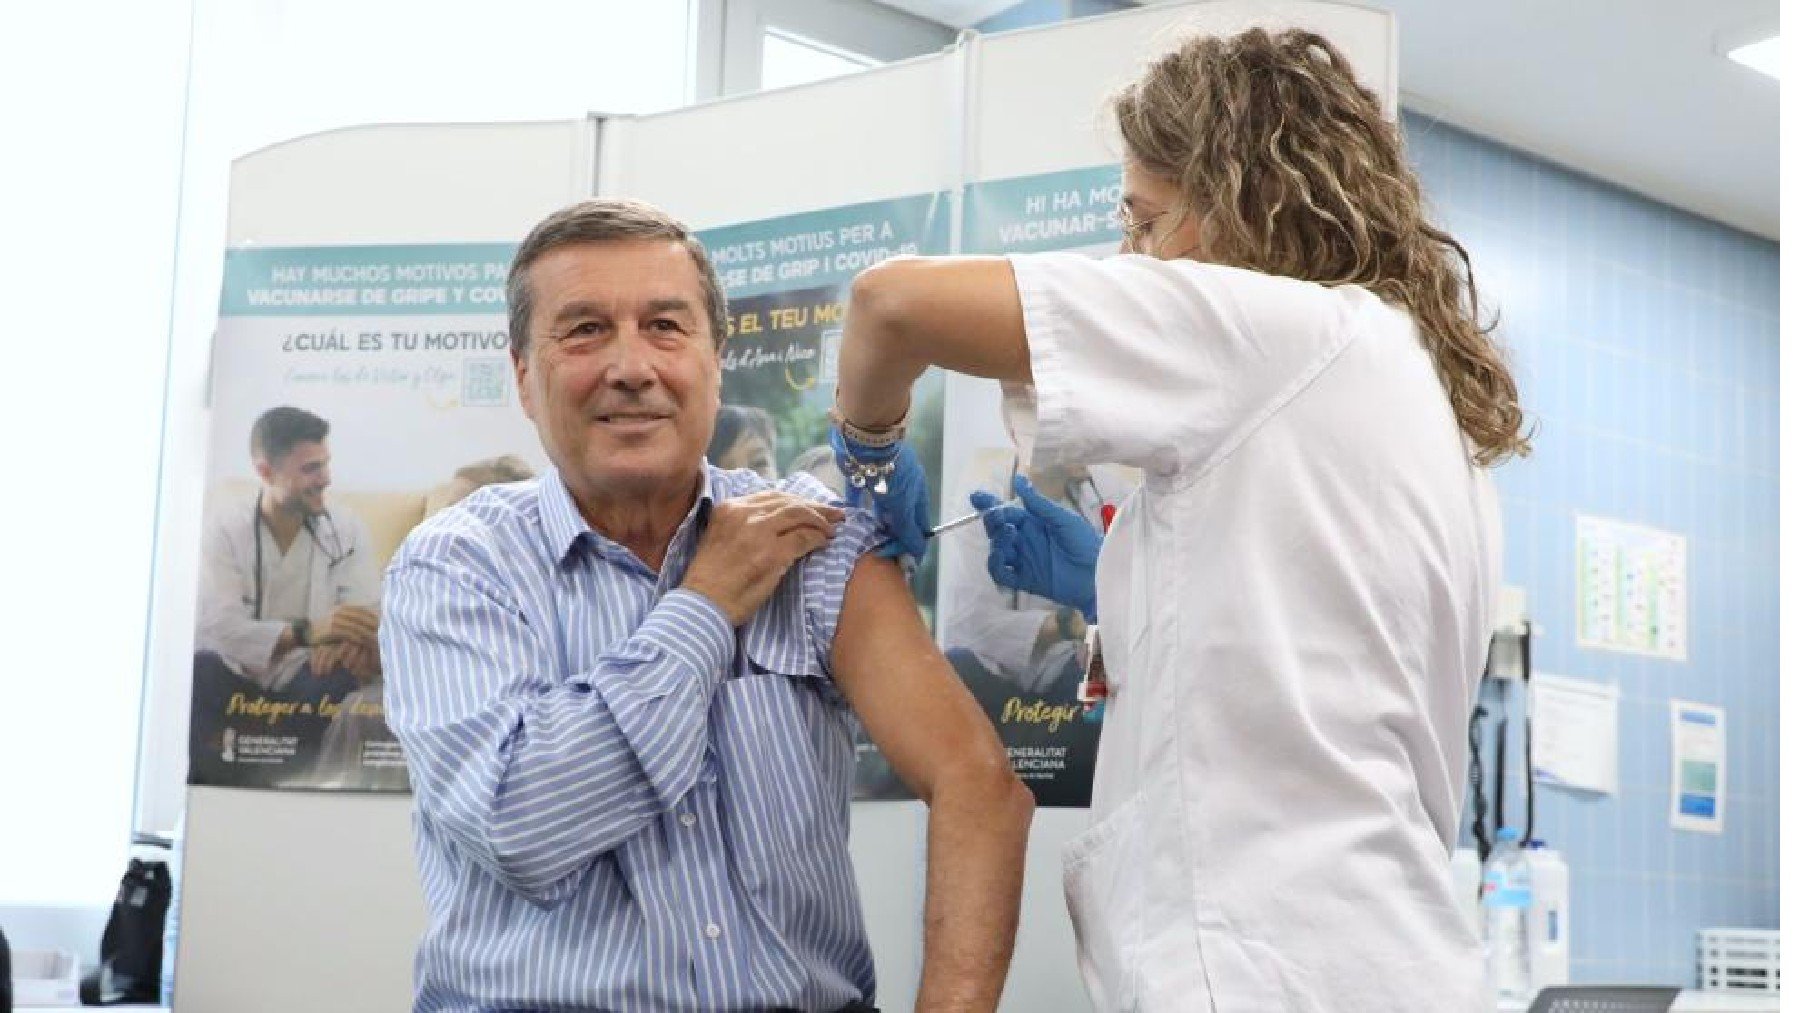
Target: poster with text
{"points": [[1020, 654], [787, 280], [1696, 767], [356, 390], [1631, 589]]}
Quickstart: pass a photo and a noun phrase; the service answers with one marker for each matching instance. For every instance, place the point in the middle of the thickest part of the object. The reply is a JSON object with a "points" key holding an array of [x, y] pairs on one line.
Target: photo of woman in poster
{"points": [[744, 437]]}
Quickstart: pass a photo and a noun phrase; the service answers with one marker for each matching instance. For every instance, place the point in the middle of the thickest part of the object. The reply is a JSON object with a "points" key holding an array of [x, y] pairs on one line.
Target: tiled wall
{"points": [[1646, 344]]}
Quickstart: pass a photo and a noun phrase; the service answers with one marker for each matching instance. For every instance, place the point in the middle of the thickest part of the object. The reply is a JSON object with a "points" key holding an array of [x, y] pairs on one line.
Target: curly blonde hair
{"points": [[1295, 172]]}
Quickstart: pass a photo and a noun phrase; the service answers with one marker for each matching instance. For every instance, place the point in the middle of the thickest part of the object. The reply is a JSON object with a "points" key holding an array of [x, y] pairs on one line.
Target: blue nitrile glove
{"points": [[904, 509], [1040, 547]]}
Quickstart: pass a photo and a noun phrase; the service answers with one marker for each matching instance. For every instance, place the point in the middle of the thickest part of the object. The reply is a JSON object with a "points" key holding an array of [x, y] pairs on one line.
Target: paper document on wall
{"points": [[1575, 733], [1631, 588], [1697, 767]]}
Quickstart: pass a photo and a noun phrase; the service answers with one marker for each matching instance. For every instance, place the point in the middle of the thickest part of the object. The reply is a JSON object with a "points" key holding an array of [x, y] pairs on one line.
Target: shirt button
{"points": [[714, 932], [688, 819]]}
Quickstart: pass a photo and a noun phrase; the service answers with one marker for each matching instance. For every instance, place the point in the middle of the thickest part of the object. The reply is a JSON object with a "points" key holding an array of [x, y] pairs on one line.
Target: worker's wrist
{"points": [[865, 467], [302, 632], [871, 435]]}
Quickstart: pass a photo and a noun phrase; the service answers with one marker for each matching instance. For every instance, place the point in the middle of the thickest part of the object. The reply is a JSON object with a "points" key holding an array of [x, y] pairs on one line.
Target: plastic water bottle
{"points": [[1506, 903], [1548, 933]]}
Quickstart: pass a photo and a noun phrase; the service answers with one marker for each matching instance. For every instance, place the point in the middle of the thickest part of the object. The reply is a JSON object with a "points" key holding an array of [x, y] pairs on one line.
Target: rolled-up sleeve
{"points": [[529, 774], [824, 575]]}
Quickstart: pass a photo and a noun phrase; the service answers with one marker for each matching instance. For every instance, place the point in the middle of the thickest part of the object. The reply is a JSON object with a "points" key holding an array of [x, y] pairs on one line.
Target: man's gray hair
{"points": [[604, 220]]}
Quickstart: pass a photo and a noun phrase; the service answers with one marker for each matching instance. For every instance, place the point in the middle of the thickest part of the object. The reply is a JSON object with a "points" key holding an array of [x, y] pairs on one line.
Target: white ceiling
{"points": [[1635, 92]]}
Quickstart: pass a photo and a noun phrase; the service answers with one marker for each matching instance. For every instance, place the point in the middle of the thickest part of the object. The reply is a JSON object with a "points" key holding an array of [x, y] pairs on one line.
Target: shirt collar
{"points": [[565, 528]]}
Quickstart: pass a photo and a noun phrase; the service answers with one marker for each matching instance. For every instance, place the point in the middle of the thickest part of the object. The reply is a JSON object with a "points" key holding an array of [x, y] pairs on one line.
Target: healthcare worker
{"points": [[1295, 607]]}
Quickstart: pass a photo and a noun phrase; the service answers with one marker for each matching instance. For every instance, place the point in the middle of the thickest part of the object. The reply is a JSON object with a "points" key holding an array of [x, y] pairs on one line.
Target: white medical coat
{"points": [[301, 583], [1295, 610]]}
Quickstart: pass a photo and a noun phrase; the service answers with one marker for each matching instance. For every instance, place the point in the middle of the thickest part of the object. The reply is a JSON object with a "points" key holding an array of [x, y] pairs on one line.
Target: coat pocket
{"points": [[1103, 885]]}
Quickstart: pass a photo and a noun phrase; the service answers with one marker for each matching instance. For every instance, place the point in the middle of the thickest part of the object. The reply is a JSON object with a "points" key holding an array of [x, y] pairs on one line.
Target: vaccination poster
{"points": [[355, 390], [1020, 654], [787, 280]]}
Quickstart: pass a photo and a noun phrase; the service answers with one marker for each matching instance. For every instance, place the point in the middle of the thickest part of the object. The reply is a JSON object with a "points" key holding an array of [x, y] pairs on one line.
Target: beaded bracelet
{"points": [[885, 436]]}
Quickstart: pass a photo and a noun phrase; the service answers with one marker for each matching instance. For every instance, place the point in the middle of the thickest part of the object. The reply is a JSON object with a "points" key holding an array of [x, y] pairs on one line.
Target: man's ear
{"points": [[263, 470], [522, 380]]}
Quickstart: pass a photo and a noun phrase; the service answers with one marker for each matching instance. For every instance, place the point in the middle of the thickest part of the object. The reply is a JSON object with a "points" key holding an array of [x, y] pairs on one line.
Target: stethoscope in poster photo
{"points": [[335, 553]]}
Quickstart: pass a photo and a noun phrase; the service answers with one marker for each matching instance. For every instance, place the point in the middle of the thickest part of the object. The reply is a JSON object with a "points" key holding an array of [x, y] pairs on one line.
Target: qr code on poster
{"points": [[486, 382]]}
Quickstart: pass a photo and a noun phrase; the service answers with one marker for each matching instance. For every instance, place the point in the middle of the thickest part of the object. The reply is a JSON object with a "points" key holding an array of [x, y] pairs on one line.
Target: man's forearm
{"points": [[975, 869], [533, 777]]}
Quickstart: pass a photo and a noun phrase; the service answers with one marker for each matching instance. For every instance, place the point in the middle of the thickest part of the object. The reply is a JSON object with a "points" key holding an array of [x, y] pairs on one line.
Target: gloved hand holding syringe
{"points": [[966, 519]]}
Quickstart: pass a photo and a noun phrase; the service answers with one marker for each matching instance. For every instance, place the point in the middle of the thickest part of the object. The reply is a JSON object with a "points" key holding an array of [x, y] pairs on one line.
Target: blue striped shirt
{"points": [[620, 802]]}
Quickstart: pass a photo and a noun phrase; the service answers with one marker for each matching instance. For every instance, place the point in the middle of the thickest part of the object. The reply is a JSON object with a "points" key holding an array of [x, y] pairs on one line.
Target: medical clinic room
{"points": [[862, 506]]}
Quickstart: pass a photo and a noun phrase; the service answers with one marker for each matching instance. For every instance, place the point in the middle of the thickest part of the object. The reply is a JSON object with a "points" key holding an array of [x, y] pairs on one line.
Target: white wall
{"points": [[87, 232]]}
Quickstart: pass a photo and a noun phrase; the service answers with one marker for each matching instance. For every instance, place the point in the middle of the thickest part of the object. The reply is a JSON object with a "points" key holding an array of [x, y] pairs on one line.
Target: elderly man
{"points": [[626, 690]]}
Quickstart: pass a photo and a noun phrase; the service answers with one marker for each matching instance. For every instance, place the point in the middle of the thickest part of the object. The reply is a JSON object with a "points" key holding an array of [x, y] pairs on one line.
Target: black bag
{"points": [[131, 947]]}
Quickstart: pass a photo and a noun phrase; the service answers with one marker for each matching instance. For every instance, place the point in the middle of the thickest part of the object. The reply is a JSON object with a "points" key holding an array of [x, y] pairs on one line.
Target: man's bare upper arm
{"points": [[918, 712]]}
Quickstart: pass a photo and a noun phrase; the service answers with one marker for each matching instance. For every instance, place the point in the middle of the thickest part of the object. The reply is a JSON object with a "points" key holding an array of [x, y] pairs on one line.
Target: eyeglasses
{"points": [[1136, 230]]}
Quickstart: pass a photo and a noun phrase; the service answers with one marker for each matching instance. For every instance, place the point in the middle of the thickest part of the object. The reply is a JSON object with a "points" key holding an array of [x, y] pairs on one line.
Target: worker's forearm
{"points": [[976, 862], [909, 313]]}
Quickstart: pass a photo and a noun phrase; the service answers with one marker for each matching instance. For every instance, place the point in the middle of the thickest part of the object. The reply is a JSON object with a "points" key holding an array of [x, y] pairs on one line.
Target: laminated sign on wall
{"points": [[786, 280], [357, 390], [1697, 767]]}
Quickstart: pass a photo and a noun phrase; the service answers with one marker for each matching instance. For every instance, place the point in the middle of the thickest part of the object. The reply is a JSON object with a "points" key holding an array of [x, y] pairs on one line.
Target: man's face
{"points": [[296, 482], [621, 376]]}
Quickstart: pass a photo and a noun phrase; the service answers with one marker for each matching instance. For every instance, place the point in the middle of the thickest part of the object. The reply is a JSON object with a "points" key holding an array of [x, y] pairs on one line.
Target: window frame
{"points": [[728, 37]]}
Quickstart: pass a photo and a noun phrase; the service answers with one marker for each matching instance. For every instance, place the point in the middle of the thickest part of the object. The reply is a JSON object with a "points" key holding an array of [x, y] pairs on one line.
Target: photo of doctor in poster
{"points": [[289, 610], [287, 674]]}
